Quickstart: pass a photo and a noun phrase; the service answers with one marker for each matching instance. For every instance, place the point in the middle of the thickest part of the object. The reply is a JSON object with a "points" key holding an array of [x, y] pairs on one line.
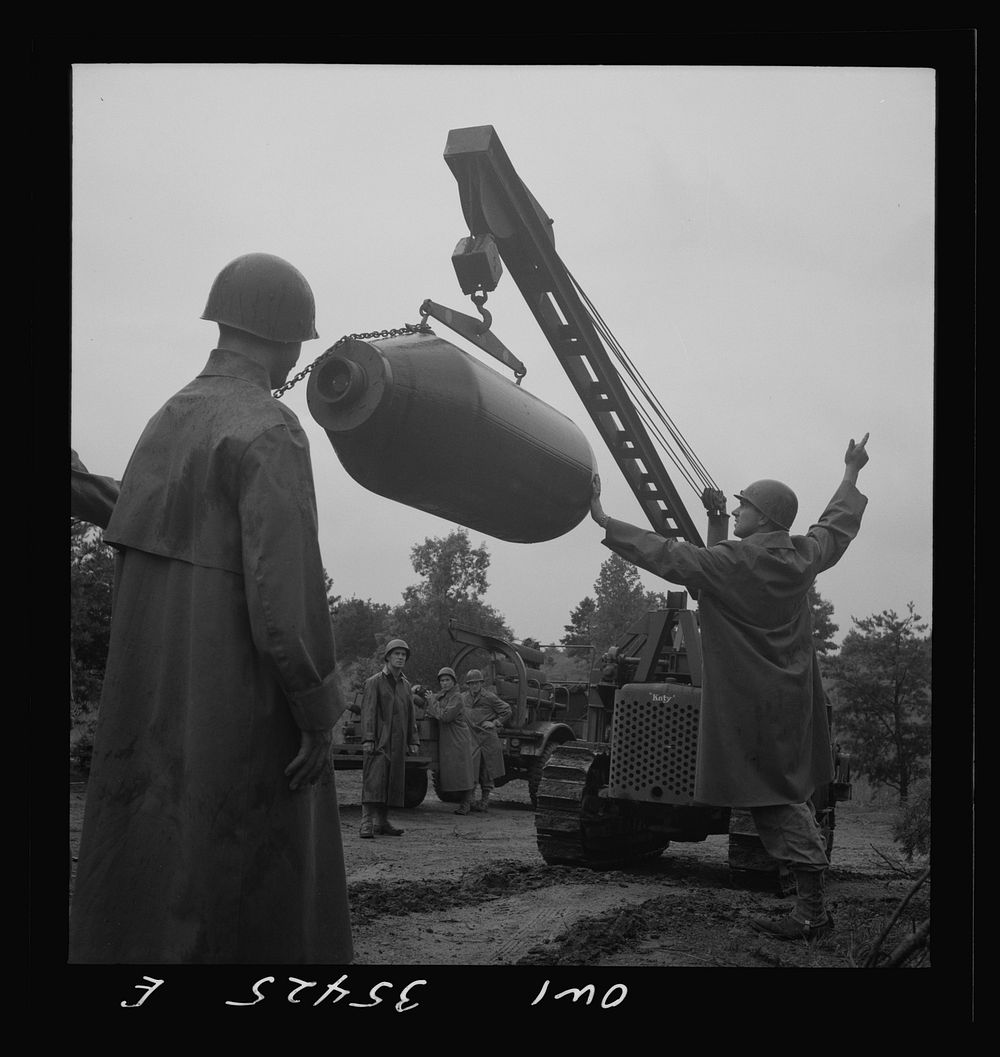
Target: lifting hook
{"points": [[478, 333], [479, 300]]}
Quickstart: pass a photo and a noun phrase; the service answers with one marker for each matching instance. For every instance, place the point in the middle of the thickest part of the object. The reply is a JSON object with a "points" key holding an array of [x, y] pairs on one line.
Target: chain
{"points": [[406, 328]]}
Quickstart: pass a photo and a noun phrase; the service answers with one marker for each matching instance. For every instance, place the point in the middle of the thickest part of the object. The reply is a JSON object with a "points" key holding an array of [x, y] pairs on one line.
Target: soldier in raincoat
{"points": [[388, 732], [211, 832], [455, 741], [486, 714], [763, 739]]}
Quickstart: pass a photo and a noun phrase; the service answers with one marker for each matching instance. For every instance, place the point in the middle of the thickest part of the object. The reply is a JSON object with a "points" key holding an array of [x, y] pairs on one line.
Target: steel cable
{"points": [[649, 408]]}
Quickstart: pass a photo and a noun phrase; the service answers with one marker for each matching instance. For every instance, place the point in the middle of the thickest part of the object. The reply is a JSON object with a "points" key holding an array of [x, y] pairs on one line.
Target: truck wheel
{"points": [[415, 788]]}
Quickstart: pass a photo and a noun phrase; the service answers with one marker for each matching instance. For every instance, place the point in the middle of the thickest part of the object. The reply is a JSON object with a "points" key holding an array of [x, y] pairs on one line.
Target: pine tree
{"points": [[882, 689]]}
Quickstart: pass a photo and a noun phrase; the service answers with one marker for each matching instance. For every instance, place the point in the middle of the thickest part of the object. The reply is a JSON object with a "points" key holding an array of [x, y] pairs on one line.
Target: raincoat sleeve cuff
{"points": [[320, 707], [93, 498], [847, 490]]}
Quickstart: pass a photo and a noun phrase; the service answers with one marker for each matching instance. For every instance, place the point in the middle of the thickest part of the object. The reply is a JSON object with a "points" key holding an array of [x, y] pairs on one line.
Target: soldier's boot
{"points": [[466, 805], [367, 826], [809, 920], [384, 827]]}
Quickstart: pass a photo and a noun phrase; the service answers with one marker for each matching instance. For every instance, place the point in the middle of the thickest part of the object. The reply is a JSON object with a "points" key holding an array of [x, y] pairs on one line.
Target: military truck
{"points": [[544, 715], [347, 754]]}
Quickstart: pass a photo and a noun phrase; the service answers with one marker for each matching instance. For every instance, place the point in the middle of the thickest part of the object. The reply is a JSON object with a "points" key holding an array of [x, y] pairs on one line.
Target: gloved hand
{"points": [[715, 502]]}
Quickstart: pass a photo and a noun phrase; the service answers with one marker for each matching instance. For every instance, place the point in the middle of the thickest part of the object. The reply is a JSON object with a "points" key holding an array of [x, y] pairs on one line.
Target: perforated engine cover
{"points": [[654, 743]]}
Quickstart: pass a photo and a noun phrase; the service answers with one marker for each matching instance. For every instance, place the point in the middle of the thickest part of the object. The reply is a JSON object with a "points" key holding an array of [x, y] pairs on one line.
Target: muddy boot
{"points": [[810, 919], [466, 805], [484, 803]]}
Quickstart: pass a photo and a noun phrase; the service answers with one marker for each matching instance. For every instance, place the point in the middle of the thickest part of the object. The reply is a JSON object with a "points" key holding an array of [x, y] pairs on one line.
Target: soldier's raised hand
{"points": [[596, 510], [856, 454], [714, 500], [855, 457]]}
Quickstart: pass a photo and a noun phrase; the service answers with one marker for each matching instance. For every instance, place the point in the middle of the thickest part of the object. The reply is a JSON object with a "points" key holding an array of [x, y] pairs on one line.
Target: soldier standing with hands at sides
{"points": [[763, 738], [455, 742], [388, 732], [486, 714], [211, 832]]}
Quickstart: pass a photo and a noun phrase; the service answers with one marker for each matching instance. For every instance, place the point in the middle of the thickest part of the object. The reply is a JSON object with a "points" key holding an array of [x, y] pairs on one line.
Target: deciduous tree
{"points": [[359, 626], [453, 584], [580, 628], [562, 666]]}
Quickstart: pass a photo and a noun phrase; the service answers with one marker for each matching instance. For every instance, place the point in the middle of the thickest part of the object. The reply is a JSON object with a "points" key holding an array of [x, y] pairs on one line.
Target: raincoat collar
{"points": [[227, 364], [779, 540], [387, 671]]}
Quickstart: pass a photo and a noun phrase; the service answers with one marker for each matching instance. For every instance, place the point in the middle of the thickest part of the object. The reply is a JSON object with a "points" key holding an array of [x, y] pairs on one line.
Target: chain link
{"points": [[406, 328]]}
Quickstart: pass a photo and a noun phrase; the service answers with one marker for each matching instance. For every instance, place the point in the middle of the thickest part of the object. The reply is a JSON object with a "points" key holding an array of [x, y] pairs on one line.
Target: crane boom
{"points": [[496, 202]]}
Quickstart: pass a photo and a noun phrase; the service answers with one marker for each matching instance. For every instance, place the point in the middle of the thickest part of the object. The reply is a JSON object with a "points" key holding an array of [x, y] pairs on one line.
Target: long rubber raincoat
{"points": [[388, 719], [194, 849], [487, 707], [455, 741], [763, 736]]}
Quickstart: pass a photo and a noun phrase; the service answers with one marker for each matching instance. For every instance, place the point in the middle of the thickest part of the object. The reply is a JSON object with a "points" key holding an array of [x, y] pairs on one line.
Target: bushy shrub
{"points": [[911, 828], [92, 567]]}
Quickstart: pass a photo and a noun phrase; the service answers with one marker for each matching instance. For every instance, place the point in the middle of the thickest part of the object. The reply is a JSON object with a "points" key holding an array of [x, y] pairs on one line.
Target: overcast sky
{"points": [[759, 239]]}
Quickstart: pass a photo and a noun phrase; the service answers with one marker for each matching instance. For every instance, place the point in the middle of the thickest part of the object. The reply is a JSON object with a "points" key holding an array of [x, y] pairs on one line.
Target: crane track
{"points": [[576, 825]]}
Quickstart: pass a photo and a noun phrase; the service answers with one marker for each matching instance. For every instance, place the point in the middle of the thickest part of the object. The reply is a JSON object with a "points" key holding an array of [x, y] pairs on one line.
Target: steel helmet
{"points": [[395, 644], [263, 295], [473, 675], [773, 499], [448, 671]]}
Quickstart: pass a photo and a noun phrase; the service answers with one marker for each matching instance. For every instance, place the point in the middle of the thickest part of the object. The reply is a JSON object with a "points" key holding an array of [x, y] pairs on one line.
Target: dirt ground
{"points": [[474, 891]]}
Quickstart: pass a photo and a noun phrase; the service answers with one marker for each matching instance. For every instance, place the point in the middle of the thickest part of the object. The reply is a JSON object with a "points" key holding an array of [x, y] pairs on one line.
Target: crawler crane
{"points": [[624, 789]]}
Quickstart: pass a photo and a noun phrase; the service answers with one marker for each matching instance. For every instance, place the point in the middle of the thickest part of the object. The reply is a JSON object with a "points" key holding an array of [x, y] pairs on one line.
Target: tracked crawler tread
{"points": [[578, 826]]}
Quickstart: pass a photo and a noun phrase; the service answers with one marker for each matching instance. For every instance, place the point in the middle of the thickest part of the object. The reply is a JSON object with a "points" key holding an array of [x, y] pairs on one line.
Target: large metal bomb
{"points": [[417, 420]]}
